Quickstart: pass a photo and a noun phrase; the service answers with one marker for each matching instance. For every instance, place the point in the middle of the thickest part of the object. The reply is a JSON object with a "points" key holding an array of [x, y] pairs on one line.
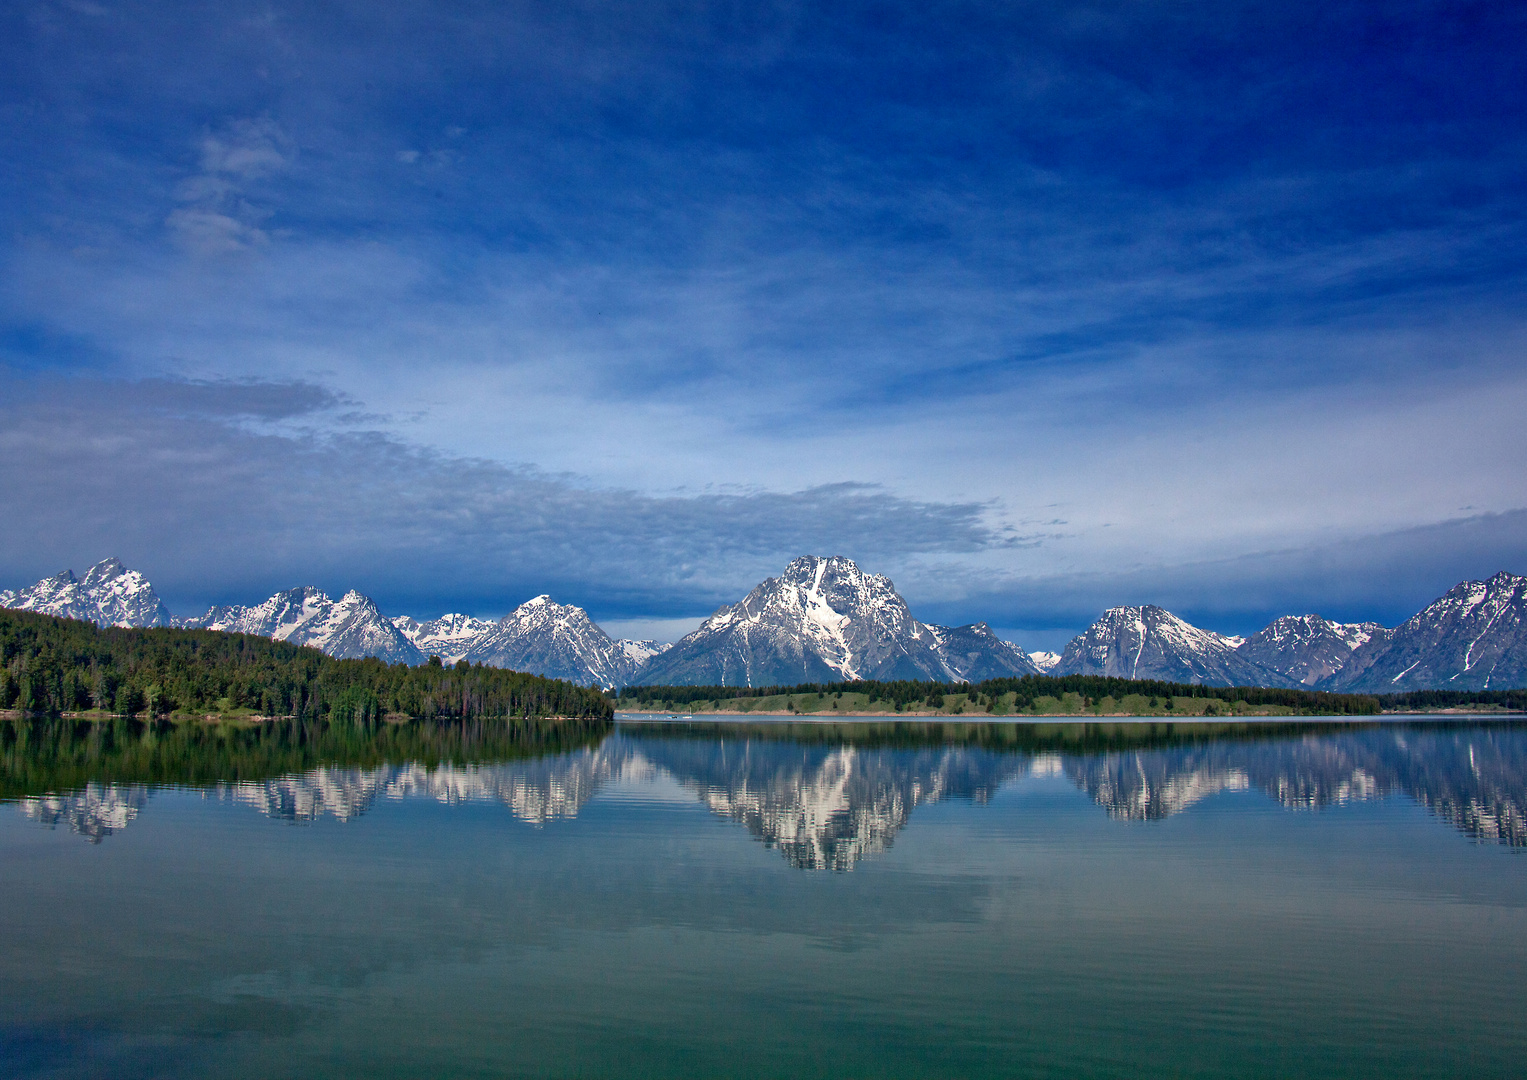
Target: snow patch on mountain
{"points": [[638, 651]]}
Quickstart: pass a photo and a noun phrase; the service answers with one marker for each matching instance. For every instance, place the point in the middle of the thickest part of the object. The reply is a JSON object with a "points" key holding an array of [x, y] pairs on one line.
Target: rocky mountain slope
{"points": [[560, 641], [450, 637], [975, 652], [825, 620], [350, 627], [1307, 649], [108, 595], [1472, 638], [1151, 643]]}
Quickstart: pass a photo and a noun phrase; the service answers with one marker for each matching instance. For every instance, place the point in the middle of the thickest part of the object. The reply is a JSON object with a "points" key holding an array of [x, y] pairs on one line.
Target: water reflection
{"points": [[824, 807], [824, 796], [1474, 778], [94, 813], [535, 791]]}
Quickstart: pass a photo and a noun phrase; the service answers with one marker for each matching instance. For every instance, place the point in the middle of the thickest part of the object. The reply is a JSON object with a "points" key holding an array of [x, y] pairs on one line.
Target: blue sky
{"points": [[1034, 307]]}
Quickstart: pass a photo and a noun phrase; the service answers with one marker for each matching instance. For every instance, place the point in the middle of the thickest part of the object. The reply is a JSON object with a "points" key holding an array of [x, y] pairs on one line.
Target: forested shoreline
{"points": [[1007, 696], [1060, 694], [52, 666]]}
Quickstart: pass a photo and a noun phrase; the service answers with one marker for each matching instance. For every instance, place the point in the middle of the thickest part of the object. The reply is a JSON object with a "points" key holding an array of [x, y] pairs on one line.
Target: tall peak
{"points": [[825, 620]]}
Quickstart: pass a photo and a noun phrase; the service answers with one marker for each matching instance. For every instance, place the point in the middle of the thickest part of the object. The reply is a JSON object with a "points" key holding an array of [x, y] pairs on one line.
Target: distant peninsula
{"points": [[1079, 696]]}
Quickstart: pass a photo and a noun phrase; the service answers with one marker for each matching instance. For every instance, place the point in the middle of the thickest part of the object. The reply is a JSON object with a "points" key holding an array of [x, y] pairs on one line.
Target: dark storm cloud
{"points": [[229, 398], [1383, 578], [213, 511]]}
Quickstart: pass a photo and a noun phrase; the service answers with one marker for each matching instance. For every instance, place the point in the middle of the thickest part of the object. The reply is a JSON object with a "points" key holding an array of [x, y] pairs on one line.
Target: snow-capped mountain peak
{"points": [[559, 641], [540, 636], [1150, 642], [1473, 637], [349, 627], [451, 637], [1308, 648], [108, 595], [826, 620]]}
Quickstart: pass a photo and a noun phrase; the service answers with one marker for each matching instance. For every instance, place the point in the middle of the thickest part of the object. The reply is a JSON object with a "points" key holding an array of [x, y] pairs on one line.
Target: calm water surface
{"points": [[768, 899]]}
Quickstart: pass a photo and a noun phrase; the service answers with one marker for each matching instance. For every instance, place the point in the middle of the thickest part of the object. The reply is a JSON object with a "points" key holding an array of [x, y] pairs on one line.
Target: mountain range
{"points": [[1471, 638], [347, 628], [826, 620]]}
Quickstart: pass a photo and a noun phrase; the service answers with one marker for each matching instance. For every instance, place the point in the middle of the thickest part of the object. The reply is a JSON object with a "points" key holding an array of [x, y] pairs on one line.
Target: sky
{"points": [[1036, 308]]}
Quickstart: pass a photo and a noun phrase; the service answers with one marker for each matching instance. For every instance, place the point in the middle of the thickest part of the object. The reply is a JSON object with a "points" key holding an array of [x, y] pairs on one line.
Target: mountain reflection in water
{"points": [[94, 813], [824, 796]]}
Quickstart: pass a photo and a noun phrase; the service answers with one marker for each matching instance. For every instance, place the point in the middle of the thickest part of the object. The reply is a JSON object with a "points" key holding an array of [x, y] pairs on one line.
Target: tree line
{"points": [[903, 693], [50, 665], [1516, 700]]}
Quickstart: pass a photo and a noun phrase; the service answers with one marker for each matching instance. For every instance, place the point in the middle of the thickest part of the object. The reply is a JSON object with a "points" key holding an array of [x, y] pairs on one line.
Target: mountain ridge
{"points": [[1473, 635], [1149, 642], [826, 620], [349, 628]]}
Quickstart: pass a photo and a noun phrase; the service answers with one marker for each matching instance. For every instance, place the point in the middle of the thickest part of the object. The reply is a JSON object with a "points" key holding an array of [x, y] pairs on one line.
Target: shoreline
{"points": [[233, 718], [908, 714], [831, 715]]}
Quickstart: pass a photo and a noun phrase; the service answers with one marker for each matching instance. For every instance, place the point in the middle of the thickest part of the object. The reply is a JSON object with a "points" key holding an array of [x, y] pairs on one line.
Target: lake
{"points": [[768, 899]]}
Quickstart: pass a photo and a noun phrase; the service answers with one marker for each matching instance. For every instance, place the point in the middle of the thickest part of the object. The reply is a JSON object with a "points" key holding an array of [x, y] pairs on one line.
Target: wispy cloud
{"points": [[218, 213]]}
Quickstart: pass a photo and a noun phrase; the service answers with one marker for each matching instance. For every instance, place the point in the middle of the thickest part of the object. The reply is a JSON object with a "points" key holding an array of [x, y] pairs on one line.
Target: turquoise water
{"points": [[768, 899]]}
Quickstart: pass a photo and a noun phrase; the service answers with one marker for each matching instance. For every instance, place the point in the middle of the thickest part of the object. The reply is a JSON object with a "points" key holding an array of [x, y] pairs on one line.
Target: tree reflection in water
{"points": [[825, 796]]}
